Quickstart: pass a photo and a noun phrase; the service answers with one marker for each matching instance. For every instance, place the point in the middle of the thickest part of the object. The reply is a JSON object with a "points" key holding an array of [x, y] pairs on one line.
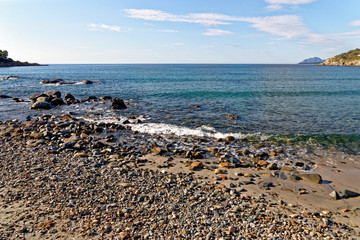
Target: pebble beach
{"points": [[63, 177]]}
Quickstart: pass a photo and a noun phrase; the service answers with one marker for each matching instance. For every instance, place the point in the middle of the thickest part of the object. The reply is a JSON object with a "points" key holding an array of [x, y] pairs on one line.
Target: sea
{"points": [[306, 104]]}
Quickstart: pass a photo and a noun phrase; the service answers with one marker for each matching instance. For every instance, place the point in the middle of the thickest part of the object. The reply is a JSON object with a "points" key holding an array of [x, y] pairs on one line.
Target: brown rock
{"points": [[224, 164], [314, 178], [197, 165]]}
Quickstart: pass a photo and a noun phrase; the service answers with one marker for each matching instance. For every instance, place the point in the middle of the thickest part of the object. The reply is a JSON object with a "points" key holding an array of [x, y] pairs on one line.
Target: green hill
{"points": [[351, 58]]}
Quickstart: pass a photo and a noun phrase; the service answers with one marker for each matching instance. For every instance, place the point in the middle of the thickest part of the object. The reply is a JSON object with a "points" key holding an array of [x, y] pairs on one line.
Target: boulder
{"points": [[4, 96], [57, 102], [53, 93], [41, 105], [35, 96], [117, 103]]}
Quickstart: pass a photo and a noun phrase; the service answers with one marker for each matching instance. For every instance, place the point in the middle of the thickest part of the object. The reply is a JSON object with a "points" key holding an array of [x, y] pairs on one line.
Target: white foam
{"points": [[203, 131]]}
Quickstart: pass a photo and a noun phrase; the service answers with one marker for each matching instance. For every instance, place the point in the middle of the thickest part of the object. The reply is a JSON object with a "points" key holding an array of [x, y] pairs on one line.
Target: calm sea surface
{"points": [[297, 102]]}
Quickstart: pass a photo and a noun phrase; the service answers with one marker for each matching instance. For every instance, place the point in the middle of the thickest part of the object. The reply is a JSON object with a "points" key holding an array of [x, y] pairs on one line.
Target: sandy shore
{"points": [[66, 178]]}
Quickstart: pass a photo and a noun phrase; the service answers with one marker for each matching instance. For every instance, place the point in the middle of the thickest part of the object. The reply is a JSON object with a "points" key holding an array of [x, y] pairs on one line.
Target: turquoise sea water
{"points": [[301, 102]]}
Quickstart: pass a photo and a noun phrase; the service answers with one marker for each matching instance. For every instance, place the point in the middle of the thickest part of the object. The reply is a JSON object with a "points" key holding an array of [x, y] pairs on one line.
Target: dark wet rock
{"points": [[349, 194], [35, 96], [54, 81], [4, 96], [57, 102], [53, 94], [41, 105], [117, 103]]}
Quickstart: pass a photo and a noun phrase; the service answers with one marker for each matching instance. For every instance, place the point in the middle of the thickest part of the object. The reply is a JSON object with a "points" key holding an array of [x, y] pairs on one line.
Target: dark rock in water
{"points": [[69, 96], [88, 99], [35, 96], [57, 102], [55, 81], [117, 103], [334, 195], [41, 105], [4, 96], [349, 194], [53, 93], [18, 100], [105, 98], [272, 166], [87, 82]]}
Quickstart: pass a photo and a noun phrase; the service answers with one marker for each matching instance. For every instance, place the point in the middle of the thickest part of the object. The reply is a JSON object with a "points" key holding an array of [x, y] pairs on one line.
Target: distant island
{"points": [[5, 61], [351, 58], [314, 60]]}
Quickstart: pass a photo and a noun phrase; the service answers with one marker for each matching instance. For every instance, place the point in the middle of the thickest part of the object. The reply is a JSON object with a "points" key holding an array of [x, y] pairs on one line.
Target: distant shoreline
{"points": [[19, 64]]}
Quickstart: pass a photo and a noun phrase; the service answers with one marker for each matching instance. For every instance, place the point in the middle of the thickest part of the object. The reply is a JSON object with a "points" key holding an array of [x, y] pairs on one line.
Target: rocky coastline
{"points": [[64, 177], [18, 64]]}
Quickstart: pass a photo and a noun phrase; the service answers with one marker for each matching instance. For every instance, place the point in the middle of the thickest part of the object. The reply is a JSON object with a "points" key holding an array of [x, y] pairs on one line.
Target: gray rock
{"points": [[41, 105], [349, 194], [334, 195]]}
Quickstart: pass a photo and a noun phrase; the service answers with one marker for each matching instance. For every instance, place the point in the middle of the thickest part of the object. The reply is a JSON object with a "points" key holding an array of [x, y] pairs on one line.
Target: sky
{"points": [[178, 31]]}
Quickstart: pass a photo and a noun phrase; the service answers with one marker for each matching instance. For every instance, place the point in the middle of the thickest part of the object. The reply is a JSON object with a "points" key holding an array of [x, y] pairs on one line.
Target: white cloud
{"points": [[355, 23], [278, 4], [288, 27], [285, 26], [216, 32], [96, 27]]}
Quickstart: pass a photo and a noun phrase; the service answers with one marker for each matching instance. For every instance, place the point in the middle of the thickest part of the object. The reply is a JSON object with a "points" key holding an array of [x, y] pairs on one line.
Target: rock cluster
{"points": [[49, 99], [59, 81]]}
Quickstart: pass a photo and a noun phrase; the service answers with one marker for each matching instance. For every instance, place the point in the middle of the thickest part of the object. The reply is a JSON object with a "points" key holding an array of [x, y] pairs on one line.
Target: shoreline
{"points": [[65, 177]]}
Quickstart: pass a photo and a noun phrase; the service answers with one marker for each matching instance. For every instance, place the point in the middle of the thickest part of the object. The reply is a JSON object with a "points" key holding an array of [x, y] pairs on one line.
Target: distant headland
{"points": [[5, 61], [314, 60], [351, 58]]}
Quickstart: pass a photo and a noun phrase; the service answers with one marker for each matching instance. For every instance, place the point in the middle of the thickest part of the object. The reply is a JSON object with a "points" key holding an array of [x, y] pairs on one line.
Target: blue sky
{"points": [[178, 31]]}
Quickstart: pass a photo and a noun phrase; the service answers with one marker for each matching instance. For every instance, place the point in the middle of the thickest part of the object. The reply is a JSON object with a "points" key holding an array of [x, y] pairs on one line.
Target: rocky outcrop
{"points": [[351, 58], [18, 64]]}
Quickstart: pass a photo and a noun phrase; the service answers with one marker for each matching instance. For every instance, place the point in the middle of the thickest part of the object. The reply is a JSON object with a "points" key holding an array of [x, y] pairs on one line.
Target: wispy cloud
{"points": [[355, 23], [285, 27], [216, 32], [279, 4], [97, 27]]}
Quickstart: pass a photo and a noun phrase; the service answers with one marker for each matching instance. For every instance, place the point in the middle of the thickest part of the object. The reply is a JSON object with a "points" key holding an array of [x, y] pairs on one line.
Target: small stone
{"points": [[248, 175], [262, 163], [273, 154], [272, 166], [334, 195], [224, 164], [218, 171], [287, 169], [81, 154], [197, 165], [302, 192]]}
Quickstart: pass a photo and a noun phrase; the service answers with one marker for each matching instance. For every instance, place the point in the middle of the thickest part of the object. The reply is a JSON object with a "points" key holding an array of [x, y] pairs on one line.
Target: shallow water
{"points": [[293, 103]]}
